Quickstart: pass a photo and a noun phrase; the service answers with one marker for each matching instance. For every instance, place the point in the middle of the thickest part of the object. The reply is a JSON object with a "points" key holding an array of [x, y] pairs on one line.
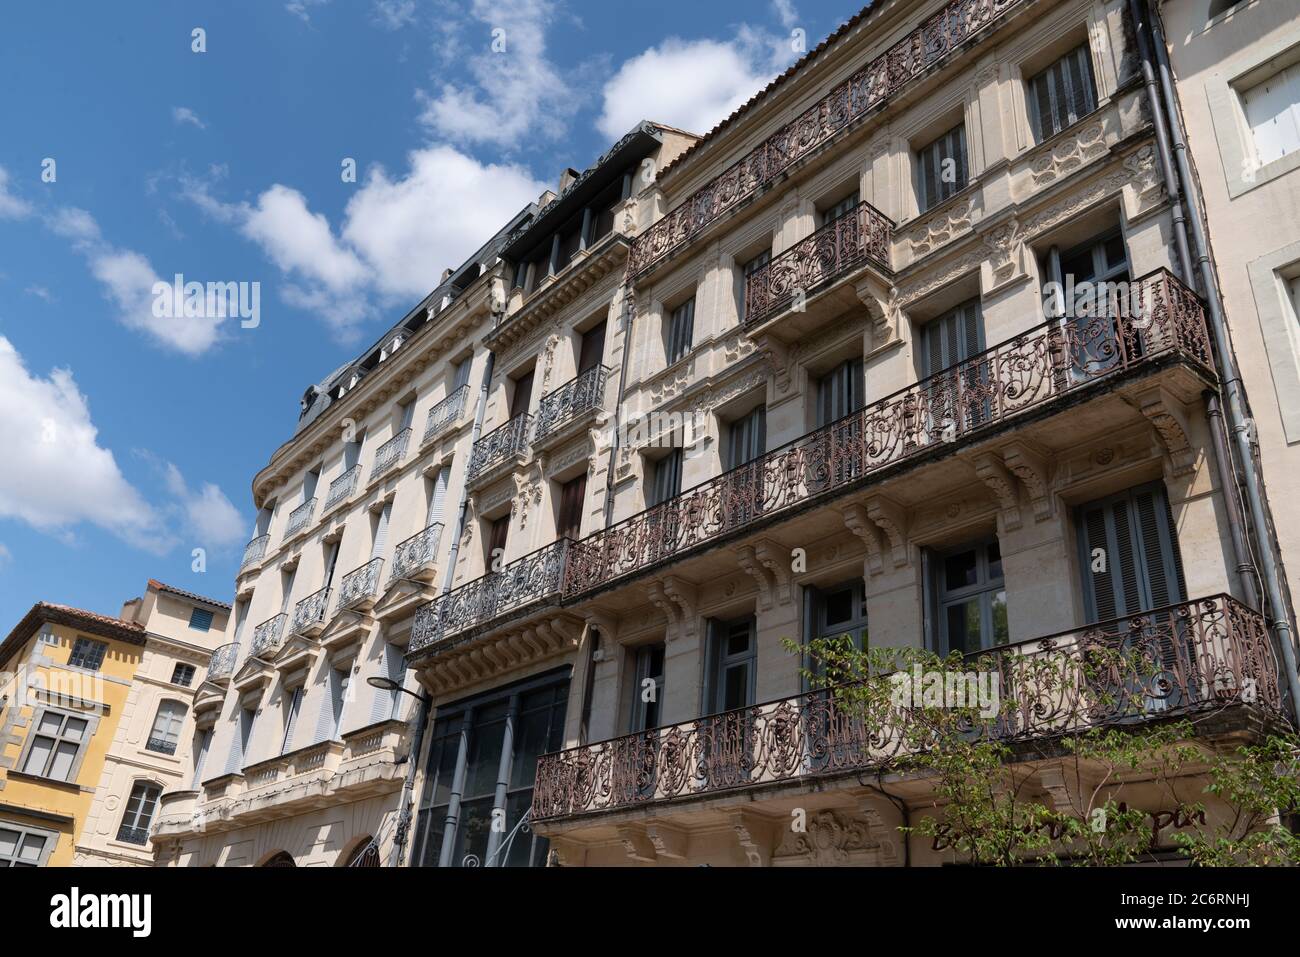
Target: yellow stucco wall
{"points": [[52, 682]]}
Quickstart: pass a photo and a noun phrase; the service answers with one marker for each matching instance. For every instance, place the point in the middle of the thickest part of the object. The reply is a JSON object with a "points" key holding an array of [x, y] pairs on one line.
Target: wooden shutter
{"points": [[497, 538], [383, 703], [572, 496], [437, 496], [839, 392], [523, 393], [309, 484], [462, 374], [593, 348], [381, 532]]}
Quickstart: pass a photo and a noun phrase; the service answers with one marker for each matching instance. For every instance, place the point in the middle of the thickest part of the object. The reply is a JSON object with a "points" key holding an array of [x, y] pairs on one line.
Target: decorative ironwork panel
{"points": [[343, 486], [390, 453], [160, 745], [222, 663], [300, 517], [132, 835], [417, 551], [862, 235], [268, 636], [913, 55], [533, 578], [254, 550], [1182, 659], [1162, 317], [445, 414], [310, 611], [360, 583], [500, 444], [578, 395]]}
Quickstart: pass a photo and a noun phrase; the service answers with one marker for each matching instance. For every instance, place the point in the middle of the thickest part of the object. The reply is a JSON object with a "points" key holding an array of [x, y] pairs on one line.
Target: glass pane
{"points": [[50, 722], [839, 607], [32, 847], [74, 729], [735, 687], [527, 849], [532, 733], [63, 758], [472, 833], [960, 570], [39, 755], [995, 562], [485, 756], [1001, 634], [8, 842], [964, 626], [737, 640]]}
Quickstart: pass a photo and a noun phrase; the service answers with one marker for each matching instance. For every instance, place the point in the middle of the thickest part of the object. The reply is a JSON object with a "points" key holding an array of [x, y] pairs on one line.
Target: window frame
{"points": [[642, 671], [33, 732], [143, 786], [79, 644], [1053, 72], [939, 597], [679, 338], [182, 667], [934, 152], [171, 715], [51, 839], [196, 611]]}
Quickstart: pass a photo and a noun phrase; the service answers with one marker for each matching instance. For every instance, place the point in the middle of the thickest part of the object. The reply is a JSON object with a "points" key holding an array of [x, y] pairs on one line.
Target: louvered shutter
{"points": [[462, 373], [1142, 569], [383, 703], [381, 532], [437, 498], [593, 348]]}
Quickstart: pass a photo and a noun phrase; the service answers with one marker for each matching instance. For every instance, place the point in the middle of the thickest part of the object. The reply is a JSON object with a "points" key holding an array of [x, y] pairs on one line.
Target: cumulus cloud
{"points": [[302, 8], [183, 114], [786, 13], [208, 515], [690, 84], [516, 89], [394, 14], [66, 477], [11, 207], [128, 280]]}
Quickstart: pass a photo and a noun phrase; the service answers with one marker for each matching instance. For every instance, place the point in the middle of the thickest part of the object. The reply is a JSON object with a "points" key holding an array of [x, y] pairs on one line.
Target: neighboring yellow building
{"points": [[93, 711]]}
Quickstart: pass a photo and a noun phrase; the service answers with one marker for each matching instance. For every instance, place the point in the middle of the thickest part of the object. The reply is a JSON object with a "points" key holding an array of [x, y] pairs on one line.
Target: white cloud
{"points": [[394, 14], [65, 477], [690, 84], [40, 292], [183, 114], [786, 13], [209, 516], [128, 280], [11, 207], [397, 233], [516, 89], [6, 556], [302, 8]]}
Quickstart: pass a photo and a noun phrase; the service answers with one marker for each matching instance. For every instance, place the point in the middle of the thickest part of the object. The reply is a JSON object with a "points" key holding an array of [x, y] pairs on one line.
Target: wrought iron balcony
{"points": [[445, 414], [268, 637], [530, 579], [1179, 660], [911, 57], [390, 453], [964, 401], [309, 615], [132, 835], [222, 663], [859, 236], [360, 586], [254, 551], [160, 745], [415, 556], [343, 486], [577, 396], [300, 517], [500, 445]]}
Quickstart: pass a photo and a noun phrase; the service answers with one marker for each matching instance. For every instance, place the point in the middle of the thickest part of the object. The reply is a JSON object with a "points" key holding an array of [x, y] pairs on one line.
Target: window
{"points": [[751, 267], [970, 598], [572, 497], [201, 755], [1084, 269], [942, 168], [1218, 7], [1062, 94], [239, 743], [166, 728], [54, 748], [200, 619], [339, 678], [291, 711], [1273, 115], [498, 532], [746, 443], [747, 438], [522, 394], [839, 392], [139, 813], [87, 654], [845, 206], [733, 657], [681, 330], [23, 846], [1129, 554], [952, 338], [666, 479], [182, 674], [476, 744], [840, 610], [648, 691], [592, 351]]}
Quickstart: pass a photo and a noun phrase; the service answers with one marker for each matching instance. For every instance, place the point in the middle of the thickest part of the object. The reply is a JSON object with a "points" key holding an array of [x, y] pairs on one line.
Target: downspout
{"points": [[426, 703], [1247, 574], [1237, 419]]}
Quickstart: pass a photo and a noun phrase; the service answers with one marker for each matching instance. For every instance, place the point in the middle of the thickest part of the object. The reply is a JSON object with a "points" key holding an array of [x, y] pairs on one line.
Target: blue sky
{"points": [[130, 440]]}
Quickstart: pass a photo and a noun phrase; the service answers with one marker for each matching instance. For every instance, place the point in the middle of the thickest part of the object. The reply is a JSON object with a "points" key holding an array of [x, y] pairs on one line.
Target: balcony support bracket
{"points": [[1168, 417], [1000, 481]]}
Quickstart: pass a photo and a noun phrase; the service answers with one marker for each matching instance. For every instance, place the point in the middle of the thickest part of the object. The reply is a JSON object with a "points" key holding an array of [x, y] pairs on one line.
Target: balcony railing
{"points": [[569, 401], [416, 552], [268, 636], [222, 663], [526, 580], [500, 445], [1179, 660], [913, 55], [254, 551], [859, 236], [309, 614], [300, 517], [390, 453], [975, 396], [360, 585], [343, 486], [132, 835], [445, 414], [161, 745]]}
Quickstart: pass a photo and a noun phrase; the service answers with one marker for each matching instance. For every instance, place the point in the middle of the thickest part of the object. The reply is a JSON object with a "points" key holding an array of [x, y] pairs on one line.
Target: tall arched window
{"points": [[167, 727], [139, 813], [280, 859]]}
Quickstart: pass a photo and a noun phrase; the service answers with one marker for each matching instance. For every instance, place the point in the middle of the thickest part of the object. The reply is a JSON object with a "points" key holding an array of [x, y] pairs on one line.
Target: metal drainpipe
{"points": [[1228, 372], [629, 319], [1225, 465], [422, 714]]}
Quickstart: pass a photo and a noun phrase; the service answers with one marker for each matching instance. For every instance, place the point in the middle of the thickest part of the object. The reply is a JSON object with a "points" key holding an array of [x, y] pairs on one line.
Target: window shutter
{"points": [[205, 741], [462, 373], [408, 415], [437, 498], [291, 719], [523, 395], [593, 348], [383, 704], [325, 716], [381, 532], [1142, 569], [286, 584], [309, 484]]}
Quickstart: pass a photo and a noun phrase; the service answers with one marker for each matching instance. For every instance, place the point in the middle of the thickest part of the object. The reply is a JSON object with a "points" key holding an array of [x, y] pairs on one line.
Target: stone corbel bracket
{"points": [[1034, 472], [775, 559], [892, 518], [995, 475], [1168, 416], [857, 522], [677, 600]]}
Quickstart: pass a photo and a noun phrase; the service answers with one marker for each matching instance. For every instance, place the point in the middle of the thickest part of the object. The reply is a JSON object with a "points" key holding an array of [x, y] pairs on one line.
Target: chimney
{"points": [[446, 274], [567, 178]]}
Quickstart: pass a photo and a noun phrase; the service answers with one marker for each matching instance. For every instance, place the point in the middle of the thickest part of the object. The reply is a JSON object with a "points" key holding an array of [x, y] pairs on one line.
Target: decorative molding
{"points": [[1034, 471], [991, 471], [859, 523]]}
